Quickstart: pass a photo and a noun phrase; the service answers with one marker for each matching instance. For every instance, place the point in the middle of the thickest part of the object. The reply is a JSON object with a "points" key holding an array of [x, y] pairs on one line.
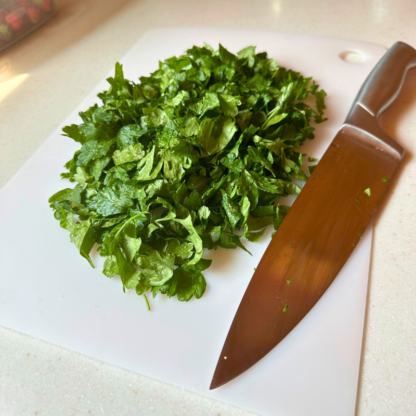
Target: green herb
{"points": [[357, 199], [311, 169], [312, 159], [368, 191], [193, 156], [285, 308], [147, 301], [384, 179], [288, 282]]}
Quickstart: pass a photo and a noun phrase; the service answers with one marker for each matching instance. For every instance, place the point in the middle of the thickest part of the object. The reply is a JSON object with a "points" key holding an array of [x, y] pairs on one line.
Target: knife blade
{"points": [[323, 226]]}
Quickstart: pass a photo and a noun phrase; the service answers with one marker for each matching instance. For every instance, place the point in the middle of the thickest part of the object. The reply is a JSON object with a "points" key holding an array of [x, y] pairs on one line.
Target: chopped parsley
{"points": [[368, 191], [193, 156]]}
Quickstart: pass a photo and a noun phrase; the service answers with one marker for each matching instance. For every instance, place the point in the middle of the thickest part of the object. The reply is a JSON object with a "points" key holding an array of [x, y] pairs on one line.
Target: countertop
{"points": [[44, 77]]}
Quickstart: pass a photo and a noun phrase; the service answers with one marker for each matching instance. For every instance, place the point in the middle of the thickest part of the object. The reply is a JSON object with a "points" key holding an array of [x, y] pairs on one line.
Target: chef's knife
{"points": [[324, 224]]}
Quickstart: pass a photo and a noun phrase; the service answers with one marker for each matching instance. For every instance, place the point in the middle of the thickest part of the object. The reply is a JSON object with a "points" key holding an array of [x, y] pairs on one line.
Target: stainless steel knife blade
{"points": [[323, 226]]}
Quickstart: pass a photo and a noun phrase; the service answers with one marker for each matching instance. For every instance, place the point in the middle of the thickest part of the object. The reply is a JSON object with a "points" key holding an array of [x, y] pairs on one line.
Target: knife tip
{"points": [[221, 375], [215, 384]]}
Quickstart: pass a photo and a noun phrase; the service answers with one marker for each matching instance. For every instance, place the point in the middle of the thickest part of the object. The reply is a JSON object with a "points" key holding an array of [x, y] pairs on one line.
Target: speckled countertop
{"points": [[44, 77]]}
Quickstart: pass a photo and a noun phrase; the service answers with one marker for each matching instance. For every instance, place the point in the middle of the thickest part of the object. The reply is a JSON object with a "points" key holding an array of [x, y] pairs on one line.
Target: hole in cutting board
{"points": [[352, 57]]}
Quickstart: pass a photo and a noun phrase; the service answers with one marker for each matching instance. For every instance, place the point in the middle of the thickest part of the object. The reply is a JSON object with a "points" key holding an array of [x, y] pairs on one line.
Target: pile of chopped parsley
{"points": [[194, 156]]}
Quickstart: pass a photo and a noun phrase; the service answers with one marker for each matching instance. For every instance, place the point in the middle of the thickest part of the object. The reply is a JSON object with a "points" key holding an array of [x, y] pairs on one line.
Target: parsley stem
{"points": [[128, 221], [147, 301]]}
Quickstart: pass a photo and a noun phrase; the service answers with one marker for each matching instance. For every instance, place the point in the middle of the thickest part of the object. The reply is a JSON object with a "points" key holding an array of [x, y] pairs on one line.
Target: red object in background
{"points": [[15, 18], [18, 18], [45, 5], [33, 14]]}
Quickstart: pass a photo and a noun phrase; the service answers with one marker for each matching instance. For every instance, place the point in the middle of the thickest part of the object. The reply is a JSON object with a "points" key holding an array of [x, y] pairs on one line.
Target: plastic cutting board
{"points": [[48, 291]]}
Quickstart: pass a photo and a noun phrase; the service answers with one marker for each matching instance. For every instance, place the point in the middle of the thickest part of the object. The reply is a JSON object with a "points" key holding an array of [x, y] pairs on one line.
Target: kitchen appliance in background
{"points": [[18, 18]]}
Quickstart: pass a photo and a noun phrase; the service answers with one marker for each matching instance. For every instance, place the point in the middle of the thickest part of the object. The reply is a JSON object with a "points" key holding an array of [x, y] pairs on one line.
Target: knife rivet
{"points": [[225, 358]]}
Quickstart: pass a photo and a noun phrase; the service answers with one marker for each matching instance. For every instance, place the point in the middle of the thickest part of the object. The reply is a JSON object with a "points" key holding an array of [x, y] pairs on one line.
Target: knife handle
{"points": [[384, 82]]}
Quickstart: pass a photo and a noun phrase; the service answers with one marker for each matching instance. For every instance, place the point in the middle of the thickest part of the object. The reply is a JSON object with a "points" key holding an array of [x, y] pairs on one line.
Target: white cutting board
{"points": [[47, 290]]}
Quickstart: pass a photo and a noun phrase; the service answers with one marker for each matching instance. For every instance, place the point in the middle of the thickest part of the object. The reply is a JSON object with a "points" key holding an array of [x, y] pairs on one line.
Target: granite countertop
{"points": [[44, 77]]}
